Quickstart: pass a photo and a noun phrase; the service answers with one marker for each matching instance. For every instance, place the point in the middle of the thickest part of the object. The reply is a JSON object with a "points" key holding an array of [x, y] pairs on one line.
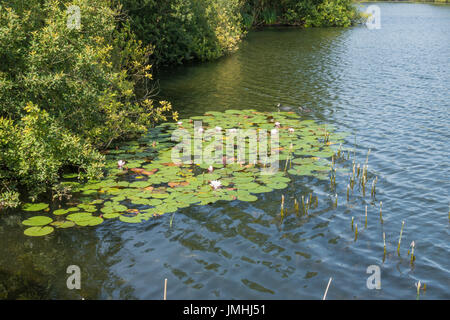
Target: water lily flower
{"points": [[180, 123], [210, 169], [200, 130], [120, 163], [215, 184], [273, 131], [277, 124], [233, 130], [218, 129], [291, 130]]}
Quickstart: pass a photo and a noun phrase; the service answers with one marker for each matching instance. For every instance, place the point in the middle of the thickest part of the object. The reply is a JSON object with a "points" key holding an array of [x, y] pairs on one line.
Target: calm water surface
{"points": [[389, 88]]}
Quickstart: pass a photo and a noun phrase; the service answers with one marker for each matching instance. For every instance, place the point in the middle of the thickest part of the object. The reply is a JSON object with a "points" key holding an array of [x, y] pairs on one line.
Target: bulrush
{"points": [[367, 158], [365, 224], [356, 231], [417, 284], [336, 200], [374, 185], [353, 218], [381, 211], [296, 206], [413, 244], [400, 239], [348, 192], [282, 207], [384, 244]]}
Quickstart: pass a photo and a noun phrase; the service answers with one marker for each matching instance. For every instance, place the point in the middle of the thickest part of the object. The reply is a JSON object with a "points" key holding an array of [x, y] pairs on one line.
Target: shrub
{"points": [[184, 30], [65, 93]]}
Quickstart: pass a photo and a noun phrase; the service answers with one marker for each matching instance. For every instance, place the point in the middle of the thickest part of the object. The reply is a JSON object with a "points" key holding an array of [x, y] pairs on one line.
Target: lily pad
{"points": [[37, 221], [35, 206], [38, 231]]}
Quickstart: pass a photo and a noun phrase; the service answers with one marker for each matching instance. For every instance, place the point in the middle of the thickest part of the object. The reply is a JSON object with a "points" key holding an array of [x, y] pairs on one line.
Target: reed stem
{"points": [[326, 291], [400, 239], [165, 289], [381, 211], [365, 224]]}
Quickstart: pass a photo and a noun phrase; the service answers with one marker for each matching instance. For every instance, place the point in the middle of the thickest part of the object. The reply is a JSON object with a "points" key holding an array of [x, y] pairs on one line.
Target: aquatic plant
{"points": [[365, 224], [413, 244], [400, 238], [326, 290], [152, 184], [417, 284], [381, 211]]}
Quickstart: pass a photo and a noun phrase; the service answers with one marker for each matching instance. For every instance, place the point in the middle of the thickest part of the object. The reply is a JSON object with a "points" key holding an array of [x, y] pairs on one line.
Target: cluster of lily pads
{"points": [[141, 180]]}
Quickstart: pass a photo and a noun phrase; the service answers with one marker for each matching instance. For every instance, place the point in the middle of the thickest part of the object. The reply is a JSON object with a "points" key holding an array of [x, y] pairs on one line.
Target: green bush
{"points": [[315, 13], [184, 30], [66, 93]]}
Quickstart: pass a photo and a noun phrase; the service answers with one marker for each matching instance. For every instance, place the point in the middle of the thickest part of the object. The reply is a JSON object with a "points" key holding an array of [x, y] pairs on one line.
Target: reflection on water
{"points": [[388, 87]]}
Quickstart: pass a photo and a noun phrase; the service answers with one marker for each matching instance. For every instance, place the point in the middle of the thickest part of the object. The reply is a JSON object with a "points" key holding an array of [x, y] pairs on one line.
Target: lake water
{"points": [[388, 87]]}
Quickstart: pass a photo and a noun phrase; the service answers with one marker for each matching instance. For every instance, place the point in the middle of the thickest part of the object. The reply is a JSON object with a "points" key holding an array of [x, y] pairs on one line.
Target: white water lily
{"points": [[210, 169], [218, 129], [273, 131], [277, 124], [120, 163], [200, 130], [215, 184], [179, 123], [291, 130], [233, 130]]}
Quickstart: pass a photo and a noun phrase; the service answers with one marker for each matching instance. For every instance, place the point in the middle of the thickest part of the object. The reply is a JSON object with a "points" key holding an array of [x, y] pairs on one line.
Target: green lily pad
{"points": [[38, 231], [35, 206], [37, 221]]}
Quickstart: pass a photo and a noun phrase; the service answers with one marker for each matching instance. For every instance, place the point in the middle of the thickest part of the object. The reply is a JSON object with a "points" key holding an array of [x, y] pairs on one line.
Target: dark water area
{"points": [[388, 87]]}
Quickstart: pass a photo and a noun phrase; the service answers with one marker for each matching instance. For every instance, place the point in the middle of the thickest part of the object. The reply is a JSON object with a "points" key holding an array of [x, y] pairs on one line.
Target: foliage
{"points": [[66, 93], [151, 184], [183, 30], [315, 13]]}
